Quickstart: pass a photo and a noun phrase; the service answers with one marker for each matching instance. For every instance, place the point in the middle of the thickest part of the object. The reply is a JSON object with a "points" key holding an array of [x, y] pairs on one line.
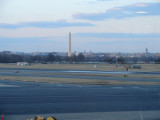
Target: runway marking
{"points": [[136, 87], [4, 85], [52, 82], [141, 115], [13, 80], [37, 81], [118, 87], [24, 80]]}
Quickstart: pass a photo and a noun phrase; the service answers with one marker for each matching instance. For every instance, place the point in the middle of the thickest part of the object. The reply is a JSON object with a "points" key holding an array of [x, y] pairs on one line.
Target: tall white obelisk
{"points": [[69, 49]]}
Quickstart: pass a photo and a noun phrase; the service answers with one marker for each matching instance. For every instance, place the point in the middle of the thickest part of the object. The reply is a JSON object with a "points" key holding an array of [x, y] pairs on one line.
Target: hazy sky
{"points": [[96, 25]]}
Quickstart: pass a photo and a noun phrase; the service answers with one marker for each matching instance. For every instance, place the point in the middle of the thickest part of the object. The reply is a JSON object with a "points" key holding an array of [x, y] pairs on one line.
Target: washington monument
{"points": [[69, 48]]}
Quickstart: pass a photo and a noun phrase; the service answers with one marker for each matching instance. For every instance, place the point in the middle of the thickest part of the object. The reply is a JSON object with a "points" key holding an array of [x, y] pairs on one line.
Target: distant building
{"points": [[6, 52], [147, 51], [23, 63], [62, 54]]}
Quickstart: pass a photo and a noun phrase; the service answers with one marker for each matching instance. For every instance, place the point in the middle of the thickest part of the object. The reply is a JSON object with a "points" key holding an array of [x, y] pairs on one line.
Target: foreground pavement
{"points": [[129, 115]]}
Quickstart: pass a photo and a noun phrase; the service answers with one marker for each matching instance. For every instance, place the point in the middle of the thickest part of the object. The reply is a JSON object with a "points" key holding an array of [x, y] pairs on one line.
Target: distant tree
{"points": [[157, 60], [58, 58], [121, 60], [16, 58], [151, 59], [27, 58], [113, 59], [135, 59], [74, 58], [108, 60], [81, 57], [147, 59], [50, 57], [4, 58]]}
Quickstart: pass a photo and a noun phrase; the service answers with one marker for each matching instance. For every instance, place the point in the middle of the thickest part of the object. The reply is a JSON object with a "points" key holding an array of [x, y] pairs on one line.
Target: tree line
{"points": [[14, 58]]}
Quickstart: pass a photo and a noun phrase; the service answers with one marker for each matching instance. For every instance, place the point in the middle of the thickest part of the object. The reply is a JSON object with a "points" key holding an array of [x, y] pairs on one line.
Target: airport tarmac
{"points": [[77, 102]]}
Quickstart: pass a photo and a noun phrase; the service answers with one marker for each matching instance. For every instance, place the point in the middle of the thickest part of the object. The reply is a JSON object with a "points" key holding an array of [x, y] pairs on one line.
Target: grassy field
{"points": [[77, 81], [105, 67]]}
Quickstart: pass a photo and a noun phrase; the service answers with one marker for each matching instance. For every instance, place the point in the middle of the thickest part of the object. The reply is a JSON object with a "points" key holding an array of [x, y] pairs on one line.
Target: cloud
{"points": [[44, 24], [139, 9], [104, 0], [95, 2], [117, 35]]}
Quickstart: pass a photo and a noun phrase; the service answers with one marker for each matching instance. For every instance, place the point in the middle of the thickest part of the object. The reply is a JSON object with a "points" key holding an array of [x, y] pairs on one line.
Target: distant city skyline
{"points": [[75, 52], [96, 25]]}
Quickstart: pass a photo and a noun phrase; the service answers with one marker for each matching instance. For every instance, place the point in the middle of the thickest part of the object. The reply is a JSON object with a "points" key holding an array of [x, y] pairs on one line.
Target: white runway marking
{"points": [[4, 85]]}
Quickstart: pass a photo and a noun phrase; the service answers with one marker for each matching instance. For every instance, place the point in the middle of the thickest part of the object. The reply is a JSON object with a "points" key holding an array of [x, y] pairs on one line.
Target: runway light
{"points": [[24, 80], [2, 116], [52, 82], [37, 81]]}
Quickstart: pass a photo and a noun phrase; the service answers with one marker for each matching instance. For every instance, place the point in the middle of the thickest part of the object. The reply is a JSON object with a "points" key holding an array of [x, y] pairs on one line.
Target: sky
{"points": [[96, 25]]}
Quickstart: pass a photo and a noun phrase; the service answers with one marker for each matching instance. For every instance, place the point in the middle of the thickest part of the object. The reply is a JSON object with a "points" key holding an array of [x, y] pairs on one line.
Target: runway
{"points": [[17, 98], [74, 71]]}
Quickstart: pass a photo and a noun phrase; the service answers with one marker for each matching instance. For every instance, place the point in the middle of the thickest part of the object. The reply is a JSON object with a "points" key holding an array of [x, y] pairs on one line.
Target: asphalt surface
{"points": [[17, 98], [123, 115], [76, 71]]}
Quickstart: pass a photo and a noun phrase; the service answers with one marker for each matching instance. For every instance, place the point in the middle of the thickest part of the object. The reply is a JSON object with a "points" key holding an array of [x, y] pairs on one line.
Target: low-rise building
{"points": [[23, 63]]}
